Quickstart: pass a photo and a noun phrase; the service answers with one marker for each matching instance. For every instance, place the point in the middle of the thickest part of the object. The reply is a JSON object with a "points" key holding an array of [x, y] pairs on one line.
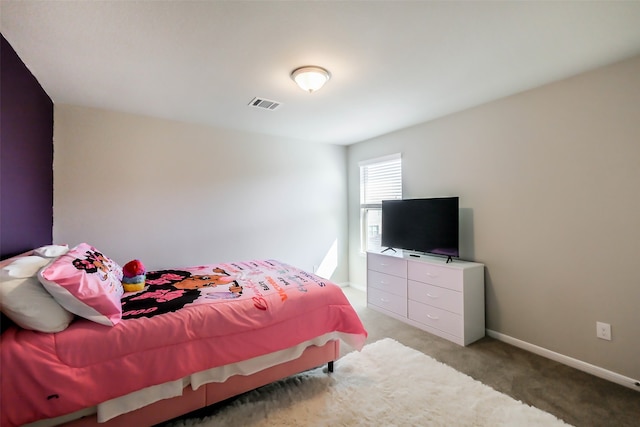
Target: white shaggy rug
{"points": [[386, 384]]}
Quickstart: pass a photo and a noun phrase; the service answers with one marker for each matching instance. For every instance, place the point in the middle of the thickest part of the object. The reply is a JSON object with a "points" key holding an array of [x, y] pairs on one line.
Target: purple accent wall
{"points": [[26, 158]]}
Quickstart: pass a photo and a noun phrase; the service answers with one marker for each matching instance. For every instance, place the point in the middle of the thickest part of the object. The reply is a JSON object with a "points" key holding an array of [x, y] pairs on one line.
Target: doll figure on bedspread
{"points": [[170, 290], [218, 278], [133, 276], [206, 281]]}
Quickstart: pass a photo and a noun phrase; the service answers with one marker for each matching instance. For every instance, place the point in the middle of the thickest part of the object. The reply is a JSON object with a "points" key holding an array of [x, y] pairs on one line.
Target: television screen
{"points": [[421, 225]]}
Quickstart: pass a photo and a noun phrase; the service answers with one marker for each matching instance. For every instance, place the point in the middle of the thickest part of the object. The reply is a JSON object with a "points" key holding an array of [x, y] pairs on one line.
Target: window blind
{"points": [[380, 181]]}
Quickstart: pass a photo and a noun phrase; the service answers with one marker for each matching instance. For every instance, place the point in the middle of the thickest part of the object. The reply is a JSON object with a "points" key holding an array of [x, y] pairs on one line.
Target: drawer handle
{"points": [[384, 300], [432, 296], [433, 317], [432, 275]]}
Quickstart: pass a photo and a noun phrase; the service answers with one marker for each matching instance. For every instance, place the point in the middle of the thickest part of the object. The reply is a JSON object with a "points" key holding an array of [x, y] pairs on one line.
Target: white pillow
{"points": [[30, 306], [23, 267], [51, 251]]}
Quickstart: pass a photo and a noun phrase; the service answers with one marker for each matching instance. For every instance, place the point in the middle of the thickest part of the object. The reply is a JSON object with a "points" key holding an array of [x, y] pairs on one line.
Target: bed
{"points": [[191, 337]]}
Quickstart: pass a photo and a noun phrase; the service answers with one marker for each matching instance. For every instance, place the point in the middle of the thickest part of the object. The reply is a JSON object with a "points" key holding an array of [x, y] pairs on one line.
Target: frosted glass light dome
{"points": [[310, 78]]}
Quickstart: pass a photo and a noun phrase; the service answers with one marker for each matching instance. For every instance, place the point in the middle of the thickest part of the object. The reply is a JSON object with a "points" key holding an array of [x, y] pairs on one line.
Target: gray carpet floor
{"points": [[574, 396]]}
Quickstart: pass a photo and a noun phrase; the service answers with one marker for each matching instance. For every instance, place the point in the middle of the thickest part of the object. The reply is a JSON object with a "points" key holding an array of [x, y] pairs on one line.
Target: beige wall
{"points": [[176, 194], [549, 186]]}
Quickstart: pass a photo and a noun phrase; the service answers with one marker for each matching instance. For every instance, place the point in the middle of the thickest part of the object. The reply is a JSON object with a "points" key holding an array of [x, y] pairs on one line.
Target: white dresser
{"points": [[445, 299]]}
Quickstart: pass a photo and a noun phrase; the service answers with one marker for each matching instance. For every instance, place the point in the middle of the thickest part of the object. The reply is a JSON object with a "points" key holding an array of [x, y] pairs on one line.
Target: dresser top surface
{"points": [[417, 256]]}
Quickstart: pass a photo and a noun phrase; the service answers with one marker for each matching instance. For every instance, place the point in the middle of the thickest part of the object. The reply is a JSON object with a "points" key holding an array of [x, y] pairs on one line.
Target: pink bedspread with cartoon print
{"points": [[185, 321]]}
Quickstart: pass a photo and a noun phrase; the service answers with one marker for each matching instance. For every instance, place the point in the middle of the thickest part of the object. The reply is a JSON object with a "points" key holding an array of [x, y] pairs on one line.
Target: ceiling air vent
{"points": [[265, 104]]}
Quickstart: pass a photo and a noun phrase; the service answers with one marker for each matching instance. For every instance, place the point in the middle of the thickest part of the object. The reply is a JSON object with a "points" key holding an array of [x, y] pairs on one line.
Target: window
{"points": [[380, 179]]}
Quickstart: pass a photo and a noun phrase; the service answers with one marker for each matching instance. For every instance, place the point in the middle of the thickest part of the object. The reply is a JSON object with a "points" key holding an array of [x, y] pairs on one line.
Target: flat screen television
{"points": [[422, 225]]}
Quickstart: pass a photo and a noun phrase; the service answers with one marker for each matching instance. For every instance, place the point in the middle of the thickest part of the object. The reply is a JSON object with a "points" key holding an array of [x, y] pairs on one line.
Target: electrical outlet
{"points": [[603, 331]]}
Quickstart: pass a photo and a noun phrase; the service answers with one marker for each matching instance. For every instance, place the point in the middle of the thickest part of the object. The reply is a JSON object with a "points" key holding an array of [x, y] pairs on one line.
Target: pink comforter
{"points": [[232, 312]]}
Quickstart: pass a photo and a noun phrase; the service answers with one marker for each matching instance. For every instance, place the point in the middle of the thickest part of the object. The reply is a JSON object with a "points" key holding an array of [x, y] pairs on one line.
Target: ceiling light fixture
{"points": [[310, 78]]}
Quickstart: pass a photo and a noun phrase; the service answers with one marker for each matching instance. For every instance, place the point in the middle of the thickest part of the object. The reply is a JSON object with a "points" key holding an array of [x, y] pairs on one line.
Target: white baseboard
{"points": [[354, 286], [569, 361]]}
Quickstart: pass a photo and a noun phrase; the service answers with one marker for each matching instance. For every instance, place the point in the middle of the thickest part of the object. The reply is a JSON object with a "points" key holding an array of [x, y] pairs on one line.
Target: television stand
{"points": [[388, 249], [443, 299], [449, 259]]}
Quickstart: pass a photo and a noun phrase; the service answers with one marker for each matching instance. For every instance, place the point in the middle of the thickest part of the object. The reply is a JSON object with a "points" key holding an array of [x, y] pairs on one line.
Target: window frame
{"points": [[368, 206]]}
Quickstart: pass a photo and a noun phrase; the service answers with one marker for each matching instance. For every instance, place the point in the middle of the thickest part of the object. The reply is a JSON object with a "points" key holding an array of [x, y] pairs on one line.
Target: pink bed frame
{"points": [[211, 393]]}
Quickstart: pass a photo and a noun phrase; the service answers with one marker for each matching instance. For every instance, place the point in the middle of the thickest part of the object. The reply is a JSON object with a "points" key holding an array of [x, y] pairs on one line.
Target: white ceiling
{"points": [[394, 63]]}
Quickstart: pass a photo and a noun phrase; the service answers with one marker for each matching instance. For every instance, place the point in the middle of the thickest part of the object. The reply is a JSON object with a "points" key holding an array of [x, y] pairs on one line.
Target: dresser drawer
{"points": [[387, 301], [436, 318], [385, 282], [436, 275], [436, 296], [387, 264]]}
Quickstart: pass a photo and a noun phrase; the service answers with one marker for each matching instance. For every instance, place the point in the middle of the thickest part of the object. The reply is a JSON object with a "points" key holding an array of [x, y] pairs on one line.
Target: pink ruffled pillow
{"points": [[86, 283]]}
